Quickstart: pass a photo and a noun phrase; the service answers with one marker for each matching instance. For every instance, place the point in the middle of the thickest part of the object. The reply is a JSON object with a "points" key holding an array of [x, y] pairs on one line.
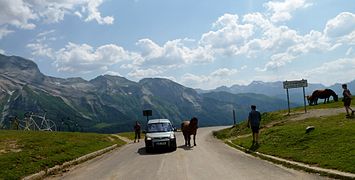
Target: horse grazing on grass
{"points": [[321, 94], [189, 128]]}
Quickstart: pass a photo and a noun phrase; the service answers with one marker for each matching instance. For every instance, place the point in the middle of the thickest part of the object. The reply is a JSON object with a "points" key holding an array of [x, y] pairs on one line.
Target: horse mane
{"points": [[193, 122], [331, 91]]}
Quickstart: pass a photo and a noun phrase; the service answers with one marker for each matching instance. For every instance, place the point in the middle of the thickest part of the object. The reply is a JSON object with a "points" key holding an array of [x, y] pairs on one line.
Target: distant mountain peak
{"points": [[20, 68], [8, 63]]}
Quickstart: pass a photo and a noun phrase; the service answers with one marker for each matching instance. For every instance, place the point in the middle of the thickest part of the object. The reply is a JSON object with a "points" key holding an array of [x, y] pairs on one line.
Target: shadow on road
{"points": [[187, 148], [143, 152]]}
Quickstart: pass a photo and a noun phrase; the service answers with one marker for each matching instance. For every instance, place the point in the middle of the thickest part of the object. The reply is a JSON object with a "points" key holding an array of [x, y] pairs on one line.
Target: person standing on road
{"points": [[137, 131], [347, 101], [254, 123]]}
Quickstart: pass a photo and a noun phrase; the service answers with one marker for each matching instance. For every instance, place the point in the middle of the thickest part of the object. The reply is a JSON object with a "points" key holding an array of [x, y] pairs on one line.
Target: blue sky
{"points": [[200, 44]]}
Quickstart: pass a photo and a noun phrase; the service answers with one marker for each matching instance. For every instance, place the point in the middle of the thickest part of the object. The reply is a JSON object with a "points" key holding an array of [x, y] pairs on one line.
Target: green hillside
{"points": [[330, 145], [26, 152]]}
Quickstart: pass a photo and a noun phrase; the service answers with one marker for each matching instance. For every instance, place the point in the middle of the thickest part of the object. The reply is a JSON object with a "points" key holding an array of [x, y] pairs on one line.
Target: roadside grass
{"points": [[330, 145], [26, 152], [272, 117], [130, 135], [242, 129]]}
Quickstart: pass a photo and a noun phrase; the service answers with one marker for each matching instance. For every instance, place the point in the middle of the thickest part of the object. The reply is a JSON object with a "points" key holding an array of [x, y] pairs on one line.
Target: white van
{"points": [[160, 133]]}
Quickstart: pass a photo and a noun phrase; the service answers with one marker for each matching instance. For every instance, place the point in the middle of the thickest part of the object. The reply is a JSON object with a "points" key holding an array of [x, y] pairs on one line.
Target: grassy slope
{"points": [[23, 152], [330, 145]]}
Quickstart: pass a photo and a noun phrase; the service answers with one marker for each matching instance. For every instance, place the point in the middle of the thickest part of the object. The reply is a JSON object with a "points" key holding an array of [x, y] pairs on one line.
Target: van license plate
{"points": [[161, 143]]}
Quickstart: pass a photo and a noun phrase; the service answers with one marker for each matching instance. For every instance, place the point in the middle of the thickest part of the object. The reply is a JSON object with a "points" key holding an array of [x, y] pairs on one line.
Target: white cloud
{"points": [[2, 51], [112, 73], [229, 35], [54, 11], [192, 80], [224, 72], [77, 13], [243, 67], [39, 49], [313, 42], [79, 58], [216, 78], [342, 25], [17, 13], [254, 35], [45, 33], [340, 70], [277, 60], [281, 10], [94, 14], [4, 31], [25, 14], [143, 73], [350, 51], [172, 54]]}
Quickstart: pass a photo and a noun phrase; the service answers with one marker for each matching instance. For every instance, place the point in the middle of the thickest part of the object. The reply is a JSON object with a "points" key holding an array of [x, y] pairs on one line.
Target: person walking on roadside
{"points": [[254, 123], [137, 131], [347, 101]]}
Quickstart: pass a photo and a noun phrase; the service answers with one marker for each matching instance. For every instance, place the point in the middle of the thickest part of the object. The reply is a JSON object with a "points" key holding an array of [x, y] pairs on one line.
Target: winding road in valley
{"points": [[210, 159]]}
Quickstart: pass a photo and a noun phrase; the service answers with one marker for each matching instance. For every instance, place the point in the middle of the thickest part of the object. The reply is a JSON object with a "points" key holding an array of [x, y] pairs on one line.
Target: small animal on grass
{"points": [[189, 128], [309, 129], [321, 94]]}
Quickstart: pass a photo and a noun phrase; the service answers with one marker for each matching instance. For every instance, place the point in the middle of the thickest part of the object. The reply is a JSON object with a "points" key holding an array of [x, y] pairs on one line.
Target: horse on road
{"points": [[189, 128]]}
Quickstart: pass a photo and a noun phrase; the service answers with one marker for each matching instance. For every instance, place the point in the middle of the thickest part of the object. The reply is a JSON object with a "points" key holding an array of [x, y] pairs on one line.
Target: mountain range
{"points": [[275, 89], [111, 104]]}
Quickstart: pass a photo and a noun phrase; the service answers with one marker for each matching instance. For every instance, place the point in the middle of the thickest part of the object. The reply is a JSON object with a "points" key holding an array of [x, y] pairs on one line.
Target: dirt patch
{"points": [[318, 113], [8, 146], [122, 138], [313, 113], [110, 138]]}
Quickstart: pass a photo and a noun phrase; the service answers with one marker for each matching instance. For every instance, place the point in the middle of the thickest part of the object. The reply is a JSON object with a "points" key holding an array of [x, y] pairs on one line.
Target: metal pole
{"points": [[304, 100], [288, 101], [234, 117]]}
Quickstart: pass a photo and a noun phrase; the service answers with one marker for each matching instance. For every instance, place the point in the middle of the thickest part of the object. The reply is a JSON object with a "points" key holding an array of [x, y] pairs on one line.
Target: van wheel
{"points": [[148, 150], [173, 146]]}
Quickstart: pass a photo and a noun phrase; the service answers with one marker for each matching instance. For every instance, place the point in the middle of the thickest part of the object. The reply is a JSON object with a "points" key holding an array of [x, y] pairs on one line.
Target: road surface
{"points": [[210, 159]]}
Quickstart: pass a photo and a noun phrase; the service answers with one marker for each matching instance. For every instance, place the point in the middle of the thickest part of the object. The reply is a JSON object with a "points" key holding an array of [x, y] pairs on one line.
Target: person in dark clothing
{"points": [[347, 101], [254, 119], [137, 131]]}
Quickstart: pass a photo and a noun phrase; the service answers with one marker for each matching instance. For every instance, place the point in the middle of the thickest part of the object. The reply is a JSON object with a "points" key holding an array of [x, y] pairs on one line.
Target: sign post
{"points": [[234, 117], [288, 101], [296, 84], [147, 113]]}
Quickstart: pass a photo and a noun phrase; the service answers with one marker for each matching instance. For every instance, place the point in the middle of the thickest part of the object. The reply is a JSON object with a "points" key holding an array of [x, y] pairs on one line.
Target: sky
{"points": [[200, 44]]}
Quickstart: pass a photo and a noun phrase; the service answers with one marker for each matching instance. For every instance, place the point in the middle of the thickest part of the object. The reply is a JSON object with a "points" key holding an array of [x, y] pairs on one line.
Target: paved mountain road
{"points": [[210, 159]]}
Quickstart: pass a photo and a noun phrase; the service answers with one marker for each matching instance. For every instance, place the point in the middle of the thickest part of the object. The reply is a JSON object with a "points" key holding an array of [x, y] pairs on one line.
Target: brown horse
{"points": [[189, 128], [321, 94]]}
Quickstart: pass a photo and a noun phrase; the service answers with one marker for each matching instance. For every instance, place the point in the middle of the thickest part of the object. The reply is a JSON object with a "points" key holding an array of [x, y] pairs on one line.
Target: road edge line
{"points": [[295, 165], [53, 170]]}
